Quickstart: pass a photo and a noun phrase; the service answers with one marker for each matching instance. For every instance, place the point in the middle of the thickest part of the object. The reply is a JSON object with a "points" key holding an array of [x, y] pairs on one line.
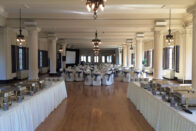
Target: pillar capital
{"points": [[160, 30], [192, 9], [33, 28], [139, 39], [52, 37]]}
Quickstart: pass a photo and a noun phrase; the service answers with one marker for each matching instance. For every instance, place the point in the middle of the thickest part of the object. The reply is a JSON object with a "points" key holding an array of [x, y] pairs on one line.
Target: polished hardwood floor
{"points": [[89, 108]]}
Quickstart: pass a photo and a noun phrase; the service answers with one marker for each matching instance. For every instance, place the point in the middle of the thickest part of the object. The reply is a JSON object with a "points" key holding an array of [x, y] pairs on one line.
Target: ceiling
{"points": [[120, 20]]}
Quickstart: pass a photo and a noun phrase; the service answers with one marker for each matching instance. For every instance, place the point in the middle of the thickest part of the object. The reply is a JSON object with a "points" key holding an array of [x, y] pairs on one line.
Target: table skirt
{"points": [[28, 115], [158, 113]]}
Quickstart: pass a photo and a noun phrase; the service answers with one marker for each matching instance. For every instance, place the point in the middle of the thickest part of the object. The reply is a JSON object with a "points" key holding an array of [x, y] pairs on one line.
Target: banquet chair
{"points": [[96, 79], [79, 75], [119, 75], [107, 78], [69, 75], [87, 78], [126, 76]]}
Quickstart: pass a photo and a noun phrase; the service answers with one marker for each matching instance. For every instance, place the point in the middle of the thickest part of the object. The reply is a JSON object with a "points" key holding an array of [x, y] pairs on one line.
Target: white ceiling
{"points": [[120, 20]]}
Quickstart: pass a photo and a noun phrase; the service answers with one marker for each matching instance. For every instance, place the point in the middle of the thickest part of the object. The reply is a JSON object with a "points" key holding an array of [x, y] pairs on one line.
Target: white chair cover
{"points": [[69, 75], [79, 75], [126, 75], [96, 79], [119, 75], [87, 78], [107, 78]]}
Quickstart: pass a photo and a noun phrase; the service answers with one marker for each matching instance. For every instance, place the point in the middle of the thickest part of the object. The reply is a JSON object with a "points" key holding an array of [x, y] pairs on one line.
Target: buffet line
{"points": [[180, 96], [165, 105], [18, 91]]}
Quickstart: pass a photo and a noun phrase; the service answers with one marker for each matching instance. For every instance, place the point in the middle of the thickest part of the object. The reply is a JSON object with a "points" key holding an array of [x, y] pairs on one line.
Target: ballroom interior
{"points": [[97, 65]]}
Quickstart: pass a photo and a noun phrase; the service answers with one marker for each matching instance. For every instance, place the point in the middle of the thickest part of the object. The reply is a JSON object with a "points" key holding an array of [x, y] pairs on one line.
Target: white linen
{"points": [[158, 113], [28, 115]]}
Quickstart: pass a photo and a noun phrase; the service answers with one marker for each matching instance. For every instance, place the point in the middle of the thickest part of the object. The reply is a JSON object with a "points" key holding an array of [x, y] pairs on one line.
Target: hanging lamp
{"points": [[20, 37], [169, 37]]}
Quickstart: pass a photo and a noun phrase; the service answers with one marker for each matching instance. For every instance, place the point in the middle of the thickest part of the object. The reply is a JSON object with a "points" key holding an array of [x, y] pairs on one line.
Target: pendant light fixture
{"points": [[128, 41], [60, 49], [131, 48], [20, 39], [96, 43], [94, 5], [169, 37]]}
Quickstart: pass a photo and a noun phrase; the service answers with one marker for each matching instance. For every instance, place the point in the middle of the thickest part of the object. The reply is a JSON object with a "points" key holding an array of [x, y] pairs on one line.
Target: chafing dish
{"points": [[6, 97], [19, 92], [31, 87], [171, 89], [145, 84], [42, 84], [158, 86], [185, 100]]}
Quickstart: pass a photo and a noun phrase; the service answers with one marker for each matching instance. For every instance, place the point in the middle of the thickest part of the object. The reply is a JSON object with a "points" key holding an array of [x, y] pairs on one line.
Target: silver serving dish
{"points": [[19, 92], [170, 90], [145, 84], [6, 97]]}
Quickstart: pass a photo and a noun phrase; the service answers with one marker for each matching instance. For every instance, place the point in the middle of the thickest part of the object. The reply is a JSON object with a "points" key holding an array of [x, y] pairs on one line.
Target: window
{"points": [[109, 59], [148, 58], [170, 58], [41, 59], [83, 58], [103, 59], [133, 58], [89, 59], [96, 59], [20, 52]]}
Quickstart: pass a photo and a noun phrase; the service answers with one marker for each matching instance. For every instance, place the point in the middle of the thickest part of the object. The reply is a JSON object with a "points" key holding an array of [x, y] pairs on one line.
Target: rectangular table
{"points": [[28, 115], [158, 113]]}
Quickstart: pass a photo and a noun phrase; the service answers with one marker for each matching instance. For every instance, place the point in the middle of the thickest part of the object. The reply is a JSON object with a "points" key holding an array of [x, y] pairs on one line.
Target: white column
{"points": [[158, 54], [139, 49], [180, 40], [120, 56], [33, 52], [193, 50], [188, 54], [124, 55], [117, 56], [63, 63], [52, 53], [128, 55]]}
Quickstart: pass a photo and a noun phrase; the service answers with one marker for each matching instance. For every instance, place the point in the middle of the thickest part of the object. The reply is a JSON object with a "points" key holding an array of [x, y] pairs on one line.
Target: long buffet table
{"points": [[28, 115], [158, 113]]}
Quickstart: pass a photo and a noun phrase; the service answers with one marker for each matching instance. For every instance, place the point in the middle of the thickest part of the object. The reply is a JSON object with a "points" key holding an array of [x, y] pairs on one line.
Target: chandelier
{"points": [[94, 5], [96, 43], [169, 37], [60, 49], [20, 38], [130, 41]]}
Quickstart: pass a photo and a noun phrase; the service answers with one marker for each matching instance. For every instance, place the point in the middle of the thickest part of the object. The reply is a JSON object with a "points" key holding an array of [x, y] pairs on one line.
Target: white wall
{"points": [[8, 38], [43, 44], [5, 54]]}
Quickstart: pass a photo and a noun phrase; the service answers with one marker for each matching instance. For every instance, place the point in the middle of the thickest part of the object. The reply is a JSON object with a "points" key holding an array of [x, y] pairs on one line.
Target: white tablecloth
{"points": [[28, 115], [158, 113]]}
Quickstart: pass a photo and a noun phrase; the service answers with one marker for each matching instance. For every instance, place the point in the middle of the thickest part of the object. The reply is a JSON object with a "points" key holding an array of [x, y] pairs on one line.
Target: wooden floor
{"points": [[90, 108]]}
